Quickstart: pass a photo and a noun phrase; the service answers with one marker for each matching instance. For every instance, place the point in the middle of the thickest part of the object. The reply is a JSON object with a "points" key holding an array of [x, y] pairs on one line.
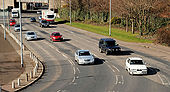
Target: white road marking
{"points": [[110, 68], [161, 78], [78, 69], [116, 79], [122, 80], [73, 79]]}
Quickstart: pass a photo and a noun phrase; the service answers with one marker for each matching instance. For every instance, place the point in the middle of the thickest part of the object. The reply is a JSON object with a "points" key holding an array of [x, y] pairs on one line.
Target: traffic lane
{"points": [[51, 73], [124, 58], [82, 41], [100, 80], [55, 65], [84, 70]]}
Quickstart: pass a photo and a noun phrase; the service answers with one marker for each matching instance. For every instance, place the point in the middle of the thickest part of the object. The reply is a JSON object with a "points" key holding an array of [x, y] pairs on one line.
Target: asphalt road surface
{"points": [[62, 74]]}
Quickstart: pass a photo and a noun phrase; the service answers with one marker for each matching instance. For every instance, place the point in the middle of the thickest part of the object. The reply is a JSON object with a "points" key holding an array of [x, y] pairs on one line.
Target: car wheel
{"points": [[107, 52], [100, 50]]}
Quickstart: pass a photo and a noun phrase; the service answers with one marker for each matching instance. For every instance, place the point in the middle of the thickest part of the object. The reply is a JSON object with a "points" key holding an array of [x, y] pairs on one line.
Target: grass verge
{"points": [[115, 33]]}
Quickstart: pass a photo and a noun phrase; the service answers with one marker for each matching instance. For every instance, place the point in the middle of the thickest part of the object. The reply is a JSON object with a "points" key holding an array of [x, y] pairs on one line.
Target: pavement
{"points": [[27, 77]]}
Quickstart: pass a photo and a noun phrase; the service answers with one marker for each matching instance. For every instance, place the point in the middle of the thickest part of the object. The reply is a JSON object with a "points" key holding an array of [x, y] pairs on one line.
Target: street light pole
{"points": [[4, 20], [70, 12], [110, 19], [21, 43]]}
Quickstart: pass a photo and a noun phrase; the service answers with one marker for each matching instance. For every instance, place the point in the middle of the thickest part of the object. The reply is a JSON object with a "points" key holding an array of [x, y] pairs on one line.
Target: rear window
{"points": [[50, 16], [56, 34], [17, 25], [84, 53], [110, 43], [12, 20], [31, 33], [133, 62]]}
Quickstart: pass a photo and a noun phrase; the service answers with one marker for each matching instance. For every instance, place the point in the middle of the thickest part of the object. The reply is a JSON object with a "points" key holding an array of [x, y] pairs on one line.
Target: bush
{"points": [[163, 36]]}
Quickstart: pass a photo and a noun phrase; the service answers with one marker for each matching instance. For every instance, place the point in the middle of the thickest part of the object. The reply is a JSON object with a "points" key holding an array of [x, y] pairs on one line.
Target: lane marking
{"points": [[78, 69], [116, 79], [122, 80], [110, 68]]}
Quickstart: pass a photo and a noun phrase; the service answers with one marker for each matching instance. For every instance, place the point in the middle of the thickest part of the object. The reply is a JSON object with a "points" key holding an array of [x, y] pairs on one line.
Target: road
{"points": [[62, 74]]}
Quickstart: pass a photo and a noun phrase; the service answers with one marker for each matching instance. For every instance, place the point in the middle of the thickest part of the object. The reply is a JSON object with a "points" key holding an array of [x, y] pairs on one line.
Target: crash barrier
{"points": [[29, 75]]}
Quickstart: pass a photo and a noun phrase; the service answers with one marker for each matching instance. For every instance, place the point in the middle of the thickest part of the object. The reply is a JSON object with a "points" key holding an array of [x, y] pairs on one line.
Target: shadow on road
{"points": [[119, 53], [152, 71], [39, 39], [99, 61], [65, 40], [61, 22]]}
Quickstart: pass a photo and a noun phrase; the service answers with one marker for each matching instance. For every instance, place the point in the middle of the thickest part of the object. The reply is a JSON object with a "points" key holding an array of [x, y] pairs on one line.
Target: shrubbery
{"points": [[163, 36]]}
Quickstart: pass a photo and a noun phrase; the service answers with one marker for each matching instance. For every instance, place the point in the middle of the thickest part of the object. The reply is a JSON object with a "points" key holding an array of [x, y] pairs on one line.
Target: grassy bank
{"points": [[115, 33]]}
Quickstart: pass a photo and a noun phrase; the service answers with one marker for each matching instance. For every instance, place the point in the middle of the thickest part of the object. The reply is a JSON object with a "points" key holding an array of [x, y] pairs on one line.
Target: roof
{"points": [[107, 39], [55, 32], [135, 58], [82, 50]]}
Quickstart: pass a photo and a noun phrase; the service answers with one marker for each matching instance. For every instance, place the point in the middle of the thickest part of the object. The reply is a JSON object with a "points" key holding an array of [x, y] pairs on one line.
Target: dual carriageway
{"points": [[108, 74]]}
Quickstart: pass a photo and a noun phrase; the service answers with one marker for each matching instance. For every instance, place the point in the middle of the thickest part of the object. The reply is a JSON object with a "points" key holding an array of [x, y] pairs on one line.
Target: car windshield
{"points": [[50, 16], [31, 33], [14, 12], [56, 34], [12, 20], [139, 62], [84, 53], [17, 25], [110, 43], [44, 21], [33, 18]]}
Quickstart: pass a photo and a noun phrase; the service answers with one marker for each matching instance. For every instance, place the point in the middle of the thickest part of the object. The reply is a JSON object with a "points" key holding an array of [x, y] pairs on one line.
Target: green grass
{"points": [[115, 33]]}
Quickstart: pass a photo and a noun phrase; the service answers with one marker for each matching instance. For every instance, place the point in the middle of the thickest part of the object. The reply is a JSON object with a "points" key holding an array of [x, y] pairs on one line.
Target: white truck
{"points": [[48, 15], [15, 12]]}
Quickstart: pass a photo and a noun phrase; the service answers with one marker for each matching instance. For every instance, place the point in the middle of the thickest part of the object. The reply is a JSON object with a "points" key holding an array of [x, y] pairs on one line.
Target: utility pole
{"points": [[70, 12], [110, 19], [4, 20], [21, 43]]}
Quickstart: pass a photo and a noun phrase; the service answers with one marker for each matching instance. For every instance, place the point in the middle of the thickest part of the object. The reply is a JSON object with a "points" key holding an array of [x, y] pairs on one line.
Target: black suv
{"points": [[44, 23], [108, 45]]}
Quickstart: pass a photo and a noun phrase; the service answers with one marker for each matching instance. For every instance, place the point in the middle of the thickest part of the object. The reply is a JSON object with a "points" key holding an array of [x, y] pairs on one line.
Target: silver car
{"points": [[84, 57], [17, 27], [30, 35]]}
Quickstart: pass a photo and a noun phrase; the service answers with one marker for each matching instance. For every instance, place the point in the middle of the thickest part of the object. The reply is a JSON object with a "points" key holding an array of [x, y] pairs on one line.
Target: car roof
{"points": [[55, 32], [30, 31], [82, 50], [107, 39], [135, 58]]}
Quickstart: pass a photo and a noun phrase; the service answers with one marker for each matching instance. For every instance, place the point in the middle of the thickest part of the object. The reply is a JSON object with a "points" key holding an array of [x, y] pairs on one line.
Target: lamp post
{"points": [[21, 43], [110, 19], [4, 20], [70, 12]]}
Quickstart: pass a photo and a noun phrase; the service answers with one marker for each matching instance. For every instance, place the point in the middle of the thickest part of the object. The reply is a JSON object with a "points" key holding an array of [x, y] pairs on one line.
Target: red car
{"points": [[12, 22], [56, 36]]}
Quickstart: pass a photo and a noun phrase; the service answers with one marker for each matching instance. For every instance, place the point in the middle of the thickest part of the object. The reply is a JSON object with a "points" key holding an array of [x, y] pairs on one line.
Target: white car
{"points": [[84, 57], [30, 35], [135, 65], [17, 27]]}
